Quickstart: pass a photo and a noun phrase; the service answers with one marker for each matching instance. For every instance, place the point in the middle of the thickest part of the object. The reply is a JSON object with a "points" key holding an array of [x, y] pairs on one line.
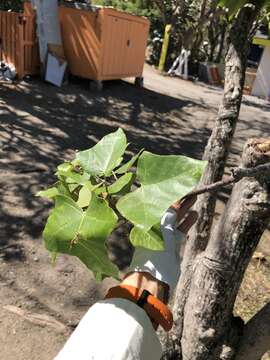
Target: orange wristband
{"points": [[157, 311]]}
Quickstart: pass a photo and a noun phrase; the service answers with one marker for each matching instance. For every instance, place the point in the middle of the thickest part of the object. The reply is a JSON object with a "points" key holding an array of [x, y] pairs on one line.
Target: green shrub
{"points": [[14, 5]]}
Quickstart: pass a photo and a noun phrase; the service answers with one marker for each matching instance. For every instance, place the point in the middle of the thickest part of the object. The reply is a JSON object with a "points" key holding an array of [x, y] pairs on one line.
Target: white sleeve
{"points": [[113, 329], [163, 265]]}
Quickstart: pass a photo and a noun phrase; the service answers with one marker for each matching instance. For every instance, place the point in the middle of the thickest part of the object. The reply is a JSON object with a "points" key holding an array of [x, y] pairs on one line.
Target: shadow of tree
{"points": [[42, 125]]}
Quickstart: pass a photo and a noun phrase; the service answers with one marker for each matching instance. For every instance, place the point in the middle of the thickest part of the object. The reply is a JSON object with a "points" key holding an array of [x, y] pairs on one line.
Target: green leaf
{"points": [[151, 239], [85, 195], [164, 179], [126, 167], [65, 167], [48, 193], [61, 188], [80, 233], [102, 158], [122, 185], [233, 5], [64, 189], [73, 187], [66, 170], [53, 258]]}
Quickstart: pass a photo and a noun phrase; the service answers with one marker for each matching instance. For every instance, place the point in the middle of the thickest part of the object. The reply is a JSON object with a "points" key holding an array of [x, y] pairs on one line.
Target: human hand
{"points": [[164, 266]]}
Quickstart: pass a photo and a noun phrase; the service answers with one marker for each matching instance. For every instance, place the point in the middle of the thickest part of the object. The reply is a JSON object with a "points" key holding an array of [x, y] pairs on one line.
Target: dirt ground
{"points": [[40, 127]]}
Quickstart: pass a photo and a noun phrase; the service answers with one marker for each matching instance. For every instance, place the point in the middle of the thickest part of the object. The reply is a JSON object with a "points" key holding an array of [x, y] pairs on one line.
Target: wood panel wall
{"points": [[18, 44]]}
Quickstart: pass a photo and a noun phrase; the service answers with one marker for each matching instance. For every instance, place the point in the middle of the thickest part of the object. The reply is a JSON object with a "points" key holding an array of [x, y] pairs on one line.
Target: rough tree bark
{"points": [[216, 154], [210, 331]]}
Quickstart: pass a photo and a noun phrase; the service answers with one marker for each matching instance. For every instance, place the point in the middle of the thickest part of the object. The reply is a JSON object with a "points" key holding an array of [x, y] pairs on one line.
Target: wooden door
{"points": [[29, 46], [18, 45], [115, 45], [136, 45], [8, 36]]}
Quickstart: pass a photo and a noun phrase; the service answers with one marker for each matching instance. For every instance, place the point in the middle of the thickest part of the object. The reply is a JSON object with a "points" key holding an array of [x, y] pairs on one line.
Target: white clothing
{"points": [[118, 329], [113, 329], [163, 265]]}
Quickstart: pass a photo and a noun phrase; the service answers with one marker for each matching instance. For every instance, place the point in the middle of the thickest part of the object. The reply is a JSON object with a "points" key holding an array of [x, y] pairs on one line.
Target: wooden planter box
{"points": [[104, 44], [18, 44]]}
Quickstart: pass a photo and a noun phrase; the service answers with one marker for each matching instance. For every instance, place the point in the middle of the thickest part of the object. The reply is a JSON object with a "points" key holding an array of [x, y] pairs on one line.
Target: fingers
{"points": [[183, 207], [188, 222]]}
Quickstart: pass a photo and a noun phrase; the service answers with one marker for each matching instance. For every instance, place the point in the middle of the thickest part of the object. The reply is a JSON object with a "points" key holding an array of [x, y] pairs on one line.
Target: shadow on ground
{"points": [[42, 125]]}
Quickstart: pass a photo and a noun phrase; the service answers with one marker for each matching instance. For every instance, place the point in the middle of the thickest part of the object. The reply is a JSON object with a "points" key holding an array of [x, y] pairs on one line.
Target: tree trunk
{"points": [[210, 331], [216, 154], [221, 42]]}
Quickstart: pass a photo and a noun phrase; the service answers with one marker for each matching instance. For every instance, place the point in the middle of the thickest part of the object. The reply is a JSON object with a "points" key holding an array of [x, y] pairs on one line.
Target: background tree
{"points": [[15, 5], [190, 21], [198, 245], [196, 25]]}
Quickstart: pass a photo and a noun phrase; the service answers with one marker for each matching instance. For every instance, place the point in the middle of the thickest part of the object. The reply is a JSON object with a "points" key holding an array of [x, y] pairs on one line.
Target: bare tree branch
{"points": [[162, 8], [237, 175]]}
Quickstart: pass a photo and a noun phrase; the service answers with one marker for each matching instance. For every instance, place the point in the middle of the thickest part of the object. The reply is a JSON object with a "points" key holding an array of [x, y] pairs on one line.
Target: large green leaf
{"points": [[164, 179], [151, 239], [80, 233], [102, 158]]}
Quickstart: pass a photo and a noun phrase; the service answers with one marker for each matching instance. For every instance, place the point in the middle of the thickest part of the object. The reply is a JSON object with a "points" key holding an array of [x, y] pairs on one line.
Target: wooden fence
{"points": [[18, 44]]}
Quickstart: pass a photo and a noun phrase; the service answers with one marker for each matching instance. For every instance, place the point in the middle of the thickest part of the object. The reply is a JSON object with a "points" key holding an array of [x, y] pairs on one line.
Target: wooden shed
{"points": [[103, 43], [18, 45], [99, 43]]}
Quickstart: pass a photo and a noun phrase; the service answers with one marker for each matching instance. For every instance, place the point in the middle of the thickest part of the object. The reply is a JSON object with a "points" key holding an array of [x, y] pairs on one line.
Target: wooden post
{"points": [[20, 46], [165, 46]]}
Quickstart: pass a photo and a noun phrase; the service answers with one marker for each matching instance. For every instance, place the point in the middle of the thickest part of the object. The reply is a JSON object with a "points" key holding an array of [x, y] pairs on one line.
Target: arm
{"points": [[116, 328], [158, 284]]}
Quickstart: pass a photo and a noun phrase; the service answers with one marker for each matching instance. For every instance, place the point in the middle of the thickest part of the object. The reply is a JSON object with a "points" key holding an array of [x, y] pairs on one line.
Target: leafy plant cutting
{"points": [[97, 191]]}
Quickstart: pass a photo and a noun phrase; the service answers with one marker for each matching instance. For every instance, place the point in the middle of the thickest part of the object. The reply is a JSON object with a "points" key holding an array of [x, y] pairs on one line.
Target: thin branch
{"points": [[236, 175], [39, 319], [162, 8], [114, 175]]}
